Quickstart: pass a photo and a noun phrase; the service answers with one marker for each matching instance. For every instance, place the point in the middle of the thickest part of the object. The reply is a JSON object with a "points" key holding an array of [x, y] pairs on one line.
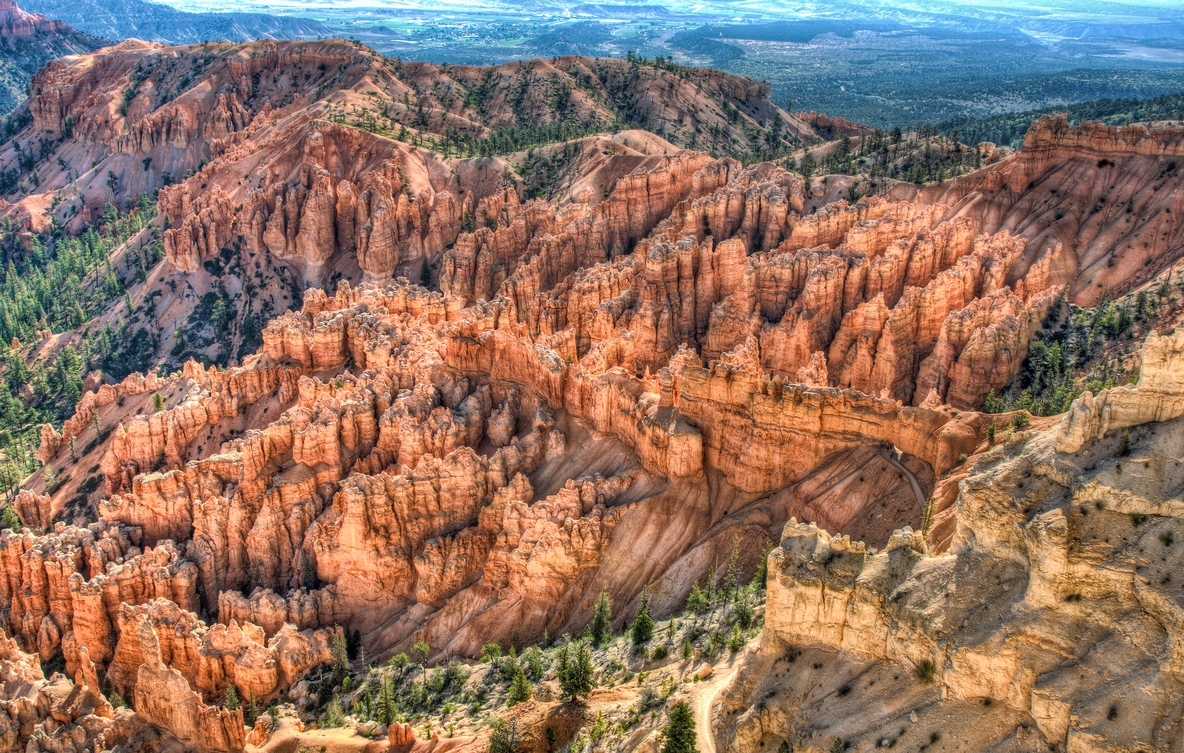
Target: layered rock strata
{"points": [[1020, 635], [601, 394]]}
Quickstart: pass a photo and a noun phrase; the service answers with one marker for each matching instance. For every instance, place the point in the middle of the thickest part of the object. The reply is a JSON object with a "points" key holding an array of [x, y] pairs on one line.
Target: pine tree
{"points": [[602, 621], [334, 715], [519, 688], [736, 642], [157, 402], [230, 702], [697, 600], [761, 578], [575, 670], [732, 578], [340, 657], [384, 711], [679, 734], [250, 711], [643, 624]]}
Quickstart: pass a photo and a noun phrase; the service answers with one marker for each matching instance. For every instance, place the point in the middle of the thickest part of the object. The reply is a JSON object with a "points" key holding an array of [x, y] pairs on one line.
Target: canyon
{"points": [[27, 42], [469, 409]]}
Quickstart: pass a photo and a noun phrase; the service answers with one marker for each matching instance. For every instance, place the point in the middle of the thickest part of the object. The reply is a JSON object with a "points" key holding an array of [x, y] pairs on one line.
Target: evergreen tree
{"points": [[602, 621], [697, 600], [761, 578], [230, 702], [807, 167], [643, 624], [340, 657], [575, 670], [250, 711], [736, 641], [384, 711], [679, 734], [421, 650], [519, 688]]}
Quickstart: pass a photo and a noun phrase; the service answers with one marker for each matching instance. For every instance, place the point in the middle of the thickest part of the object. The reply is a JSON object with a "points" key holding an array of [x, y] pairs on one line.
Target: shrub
{"points": [[926, 670], [647, 698]]}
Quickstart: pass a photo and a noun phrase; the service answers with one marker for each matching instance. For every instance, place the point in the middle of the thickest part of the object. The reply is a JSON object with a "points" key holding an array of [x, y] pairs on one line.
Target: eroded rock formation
{"points": [[603, 391], [1018, 635]]}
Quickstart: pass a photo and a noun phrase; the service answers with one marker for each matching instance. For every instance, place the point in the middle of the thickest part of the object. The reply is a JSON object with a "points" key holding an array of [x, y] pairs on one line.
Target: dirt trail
{"points": [[704, 695], [918, 492]]}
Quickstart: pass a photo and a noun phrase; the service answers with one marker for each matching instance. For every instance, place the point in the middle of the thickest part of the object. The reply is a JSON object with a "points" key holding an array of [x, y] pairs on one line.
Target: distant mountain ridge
{"points": [[156, 22], [31, 40]]}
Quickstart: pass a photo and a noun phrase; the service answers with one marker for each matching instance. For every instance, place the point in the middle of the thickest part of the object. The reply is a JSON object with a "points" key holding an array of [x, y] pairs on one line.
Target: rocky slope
{"points": [[1098, 206], [27, 42], [1052, 623], [489, 408], [282, 168]]}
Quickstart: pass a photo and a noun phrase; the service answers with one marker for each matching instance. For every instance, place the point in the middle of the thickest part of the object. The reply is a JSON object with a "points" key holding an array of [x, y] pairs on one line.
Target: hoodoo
{"points": [[390, 387]]}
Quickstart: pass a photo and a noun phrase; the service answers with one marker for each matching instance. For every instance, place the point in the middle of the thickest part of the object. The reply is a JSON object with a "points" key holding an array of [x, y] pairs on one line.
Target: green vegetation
{"points": [[519, 687], [602, 621], [1080, 349], [55, 282], [642, 629], [451, 695], [679, 734], [574, 670], [552, 109], [51, 281], [1009, 129], [503, 736], [543, 170]]}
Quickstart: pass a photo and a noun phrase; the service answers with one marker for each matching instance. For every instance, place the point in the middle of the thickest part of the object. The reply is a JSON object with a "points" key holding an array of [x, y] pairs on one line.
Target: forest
{"points": [[1009, 129], [53, 282]]}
